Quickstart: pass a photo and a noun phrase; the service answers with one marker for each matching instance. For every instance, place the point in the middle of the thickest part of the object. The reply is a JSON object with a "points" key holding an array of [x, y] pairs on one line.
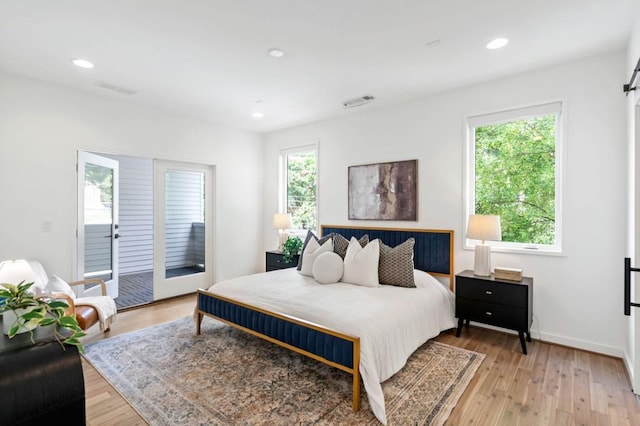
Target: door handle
{"points": [[116, 236], [627, 286]]}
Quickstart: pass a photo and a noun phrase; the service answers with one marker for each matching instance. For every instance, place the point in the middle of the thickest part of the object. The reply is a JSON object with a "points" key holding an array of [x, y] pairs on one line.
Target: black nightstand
{"points": [[275, 261], [502, 303], [40, 381]]}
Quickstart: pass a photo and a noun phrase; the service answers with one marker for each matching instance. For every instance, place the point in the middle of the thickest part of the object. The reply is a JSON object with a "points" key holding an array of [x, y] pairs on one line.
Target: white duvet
{"points": [[392, 322]]}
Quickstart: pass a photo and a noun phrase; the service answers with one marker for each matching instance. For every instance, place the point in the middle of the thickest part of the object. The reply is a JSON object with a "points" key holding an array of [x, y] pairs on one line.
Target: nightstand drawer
{"points": [[274, 261], [491, 313], [492, 292]]}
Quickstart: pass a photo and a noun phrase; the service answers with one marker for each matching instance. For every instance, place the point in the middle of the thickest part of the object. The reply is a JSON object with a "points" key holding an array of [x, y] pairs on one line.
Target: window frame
{"points": [[557, 107], [282, 184]]}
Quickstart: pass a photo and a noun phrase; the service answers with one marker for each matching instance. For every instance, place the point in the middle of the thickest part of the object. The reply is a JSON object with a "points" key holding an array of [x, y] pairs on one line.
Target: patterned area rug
{"points": [[227, 377]]}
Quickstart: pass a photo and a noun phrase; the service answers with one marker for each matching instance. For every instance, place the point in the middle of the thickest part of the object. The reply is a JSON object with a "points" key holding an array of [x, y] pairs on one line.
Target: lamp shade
{"points": [[282, 221], [16, 271], [484, 227]]}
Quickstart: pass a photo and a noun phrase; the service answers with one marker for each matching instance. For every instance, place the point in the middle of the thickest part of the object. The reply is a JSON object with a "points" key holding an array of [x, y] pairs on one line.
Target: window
{"points": [[513, 170], [299, 171]]}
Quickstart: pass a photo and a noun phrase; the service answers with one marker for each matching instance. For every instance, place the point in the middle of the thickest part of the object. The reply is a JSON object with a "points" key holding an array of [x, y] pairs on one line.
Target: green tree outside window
{"points": [[301, 175], [515, 165]]}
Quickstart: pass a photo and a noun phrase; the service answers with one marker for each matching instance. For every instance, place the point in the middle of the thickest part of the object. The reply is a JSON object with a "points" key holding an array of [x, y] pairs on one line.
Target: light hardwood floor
{"points": [[553, 385]]}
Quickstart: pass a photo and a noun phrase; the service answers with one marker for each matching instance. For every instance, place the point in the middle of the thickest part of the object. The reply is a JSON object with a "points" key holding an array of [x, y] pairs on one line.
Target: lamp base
{"points": [[482, 260], [282, 237]]}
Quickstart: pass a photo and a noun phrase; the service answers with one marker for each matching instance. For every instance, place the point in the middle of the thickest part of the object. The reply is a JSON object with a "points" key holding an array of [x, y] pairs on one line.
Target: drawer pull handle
{"points": [[488, 313], [488, 292]]}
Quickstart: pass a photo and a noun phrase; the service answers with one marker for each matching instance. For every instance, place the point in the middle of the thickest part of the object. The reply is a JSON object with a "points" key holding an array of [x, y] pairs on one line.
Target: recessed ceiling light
{"points": [[434, 43], [276, 53], [497, 43], [257, 114], [82, 63]]}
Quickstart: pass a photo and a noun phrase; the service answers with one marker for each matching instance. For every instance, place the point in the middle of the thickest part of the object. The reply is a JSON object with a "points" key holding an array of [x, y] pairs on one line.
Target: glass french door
{"points": [[182, 228], [97, 231]]}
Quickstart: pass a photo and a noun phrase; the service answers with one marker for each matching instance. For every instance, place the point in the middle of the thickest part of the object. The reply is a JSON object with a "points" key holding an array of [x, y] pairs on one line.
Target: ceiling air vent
{"points": [[351, 103], [115, 88]]}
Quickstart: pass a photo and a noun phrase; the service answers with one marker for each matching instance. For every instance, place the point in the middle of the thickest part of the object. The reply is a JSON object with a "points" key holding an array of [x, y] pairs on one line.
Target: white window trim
{"points": [[521, 112], [282, 179]]}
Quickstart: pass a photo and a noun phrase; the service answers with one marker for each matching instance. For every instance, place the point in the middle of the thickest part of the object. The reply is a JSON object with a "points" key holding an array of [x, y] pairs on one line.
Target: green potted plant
{"points": [[290, 248], [23, 312]]}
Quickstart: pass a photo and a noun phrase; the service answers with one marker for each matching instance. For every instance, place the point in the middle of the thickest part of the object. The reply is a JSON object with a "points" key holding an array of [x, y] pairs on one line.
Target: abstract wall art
{"points": [[384, 191]]}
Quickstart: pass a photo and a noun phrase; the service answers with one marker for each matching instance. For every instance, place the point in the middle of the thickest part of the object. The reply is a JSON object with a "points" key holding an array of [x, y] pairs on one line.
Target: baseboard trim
{"points": [[567, 341], [628, 365], [583, 344]]}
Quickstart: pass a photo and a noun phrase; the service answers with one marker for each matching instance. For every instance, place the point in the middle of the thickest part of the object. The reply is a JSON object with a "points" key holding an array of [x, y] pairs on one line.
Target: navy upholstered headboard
{"points": [[433, 249]]}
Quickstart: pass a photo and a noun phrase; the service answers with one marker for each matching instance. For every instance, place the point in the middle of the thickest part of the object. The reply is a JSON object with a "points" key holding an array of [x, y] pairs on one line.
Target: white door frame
{"points": [[168, 287], [634, 319], [85, 157]]}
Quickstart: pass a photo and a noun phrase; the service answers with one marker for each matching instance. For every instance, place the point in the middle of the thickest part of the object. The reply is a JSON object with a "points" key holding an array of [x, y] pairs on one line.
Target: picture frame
{"points": [[383, 191]]}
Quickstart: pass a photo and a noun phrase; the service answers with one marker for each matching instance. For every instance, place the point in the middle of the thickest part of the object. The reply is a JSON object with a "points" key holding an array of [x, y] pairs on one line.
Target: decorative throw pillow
{"points": [[311, 253], [328, 268], [58, 285], [361, 263], [311, 236], [396, 264], [340, 243]]}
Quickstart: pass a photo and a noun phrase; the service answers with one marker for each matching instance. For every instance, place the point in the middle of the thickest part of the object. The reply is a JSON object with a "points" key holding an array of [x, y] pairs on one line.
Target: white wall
{"points": [[42, 126], [577, 296]]}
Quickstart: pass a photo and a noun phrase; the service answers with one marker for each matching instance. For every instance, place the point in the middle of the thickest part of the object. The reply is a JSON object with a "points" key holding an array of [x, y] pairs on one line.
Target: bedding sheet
{"points": [[392, 322]]}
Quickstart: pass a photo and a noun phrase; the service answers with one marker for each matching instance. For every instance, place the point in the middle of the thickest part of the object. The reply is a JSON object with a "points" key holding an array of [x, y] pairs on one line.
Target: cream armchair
{"points": [[87, 310]]}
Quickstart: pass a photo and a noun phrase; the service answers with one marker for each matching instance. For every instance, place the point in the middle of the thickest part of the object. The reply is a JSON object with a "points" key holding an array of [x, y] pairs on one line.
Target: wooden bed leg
{"points": [[356, 375], [356, 390], [199, 317]]}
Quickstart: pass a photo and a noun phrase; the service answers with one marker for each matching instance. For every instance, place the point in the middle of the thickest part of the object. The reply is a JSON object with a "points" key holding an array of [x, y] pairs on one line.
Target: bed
{"points": [[367, 332]]}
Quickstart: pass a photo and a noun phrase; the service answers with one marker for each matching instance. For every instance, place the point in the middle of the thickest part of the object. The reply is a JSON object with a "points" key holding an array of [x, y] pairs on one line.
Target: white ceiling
{"points": [[208, 58]]}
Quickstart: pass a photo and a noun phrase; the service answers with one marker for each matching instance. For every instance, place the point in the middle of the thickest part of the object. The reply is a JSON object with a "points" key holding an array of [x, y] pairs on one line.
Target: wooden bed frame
{"points": [[433, 253]]}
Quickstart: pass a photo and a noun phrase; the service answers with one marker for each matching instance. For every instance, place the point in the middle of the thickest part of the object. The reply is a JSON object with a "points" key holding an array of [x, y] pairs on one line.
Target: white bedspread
{"points": [[392, 322]]}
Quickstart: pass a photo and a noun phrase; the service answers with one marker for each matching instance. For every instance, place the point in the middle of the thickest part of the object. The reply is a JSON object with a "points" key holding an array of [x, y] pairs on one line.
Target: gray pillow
{"points": [[396, 264], [306, 241], [340, 244]]}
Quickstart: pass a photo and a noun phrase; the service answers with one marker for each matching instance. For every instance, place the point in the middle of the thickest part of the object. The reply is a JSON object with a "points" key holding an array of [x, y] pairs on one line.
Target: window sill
{"points": [[521, 250], [301, 233]]}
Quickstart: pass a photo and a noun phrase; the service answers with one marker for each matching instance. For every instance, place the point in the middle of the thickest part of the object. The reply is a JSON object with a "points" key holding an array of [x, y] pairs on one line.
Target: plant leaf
{"points": [[32, 323], [56, 304], [46, 321], [68, 321], [35, 314], [10, 288]]}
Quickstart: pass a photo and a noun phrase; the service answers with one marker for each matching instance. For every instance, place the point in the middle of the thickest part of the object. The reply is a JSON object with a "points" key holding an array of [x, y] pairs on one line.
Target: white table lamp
{"points": [[15, 271], [281, 221], [485, 228]]}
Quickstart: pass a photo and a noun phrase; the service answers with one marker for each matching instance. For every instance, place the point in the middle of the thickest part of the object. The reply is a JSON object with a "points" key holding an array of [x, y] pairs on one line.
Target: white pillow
{"points": [[361, 264], [328, 268], [311, 253], [58, 285]]}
